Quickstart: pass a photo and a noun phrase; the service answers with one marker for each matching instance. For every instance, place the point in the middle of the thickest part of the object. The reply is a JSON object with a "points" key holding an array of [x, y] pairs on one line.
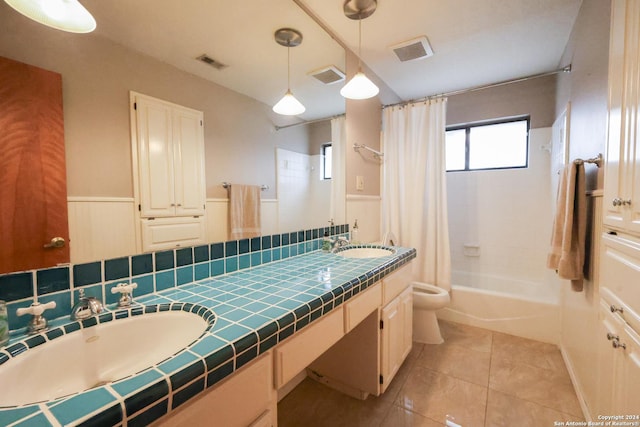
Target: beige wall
{"points": [[363, 125], [97, 76], [586, 86], [535, 97], [319, 133]]}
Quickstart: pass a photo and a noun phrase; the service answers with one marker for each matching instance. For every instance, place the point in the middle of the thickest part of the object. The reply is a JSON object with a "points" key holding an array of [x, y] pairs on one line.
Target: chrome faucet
{"points": [[86, 307], [339, 242]]}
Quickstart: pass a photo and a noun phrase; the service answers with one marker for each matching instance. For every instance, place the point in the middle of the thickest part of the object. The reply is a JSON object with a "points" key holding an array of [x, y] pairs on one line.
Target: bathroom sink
{"points": [[367, 252], [96, 355]]}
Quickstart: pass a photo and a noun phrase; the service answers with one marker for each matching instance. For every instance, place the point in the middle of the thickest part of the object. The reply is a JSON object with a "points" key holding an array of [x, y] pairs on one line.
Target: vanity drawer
{"points": [[304, 347], [243, 398], [362, 305], [396, 282]]}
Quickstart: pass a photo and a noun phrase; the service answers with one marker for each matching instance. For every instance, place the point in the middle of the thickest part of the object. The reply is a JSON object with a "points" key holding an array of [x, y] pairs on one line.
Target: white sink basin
{"points": [[365, 252], [96, 355]]}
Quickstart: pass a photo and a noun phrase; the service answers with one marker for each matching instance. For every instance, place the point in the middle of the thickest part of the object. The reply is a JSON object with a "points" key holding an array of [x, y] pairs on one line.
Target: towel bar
{"points": [[596, 160], [227, 185]]}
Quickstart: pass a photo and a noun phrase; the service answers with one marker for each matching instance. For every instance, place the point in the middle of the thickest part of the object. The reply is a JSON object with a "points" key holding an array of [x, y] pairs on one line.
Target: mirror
{"points": [[99, 69]]}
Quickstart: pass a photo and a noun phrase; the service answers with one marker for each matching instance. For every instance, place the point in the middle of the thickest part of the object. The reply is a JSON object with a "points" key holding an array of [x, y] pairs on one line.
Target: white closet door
{"points": [[156, 169], [188, 146]]}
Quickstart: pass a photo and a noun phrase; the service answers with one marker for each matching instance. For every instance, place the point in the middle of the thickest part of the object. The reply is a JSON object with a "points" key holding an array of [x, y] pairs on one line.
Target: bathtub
{"points": [[511, 306]]}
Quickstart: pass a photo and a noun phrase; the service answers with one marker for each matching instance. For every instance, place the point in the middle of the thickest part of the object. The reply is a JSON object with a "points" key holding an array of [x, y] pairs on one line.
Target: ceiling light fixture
{"points": [[288, 105], [359, 87], [65, 15]]}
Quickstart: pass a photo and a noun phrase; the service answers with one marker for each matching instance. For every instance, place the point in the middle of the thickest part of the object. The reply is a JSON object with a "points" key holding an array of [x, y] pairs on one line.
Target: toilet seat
{"points": [[429, 297]]}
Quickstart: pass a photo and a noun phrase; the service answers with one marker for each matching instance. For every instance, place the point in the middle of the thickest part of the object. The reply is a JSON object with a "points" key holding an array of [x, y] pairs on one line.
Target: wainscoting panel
{"points": [[101, 227]]}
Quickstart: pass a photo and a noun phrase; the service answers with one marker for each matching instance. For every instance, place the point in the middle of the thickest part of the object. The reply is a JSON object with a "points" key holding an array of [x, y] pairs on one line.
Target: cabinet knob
{"points": [[626, 202], [617, 344], [611, 336], [618, 309]]}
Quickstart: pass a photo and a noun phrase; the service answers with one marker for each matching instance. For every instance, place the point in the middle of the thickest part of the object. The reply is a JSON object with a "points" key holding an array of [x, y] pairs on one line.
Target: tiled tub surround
{"points": [[255, 309]]}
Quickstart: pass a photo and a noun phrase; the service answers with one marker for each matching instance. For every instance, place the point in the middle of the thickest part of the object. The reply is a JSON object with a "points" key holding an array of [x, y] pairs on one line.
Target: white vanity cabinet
{"points": [[168, 162], [618, 364], [621, 204], [379, 329], [618, 338]]}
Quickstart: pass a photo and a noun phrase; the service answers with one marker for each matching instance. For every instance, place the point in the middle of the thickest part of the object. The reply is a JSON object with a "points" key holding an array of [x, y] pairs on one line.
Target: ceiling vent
{"points": [[212, 62], [328, 75], [413, 49]]}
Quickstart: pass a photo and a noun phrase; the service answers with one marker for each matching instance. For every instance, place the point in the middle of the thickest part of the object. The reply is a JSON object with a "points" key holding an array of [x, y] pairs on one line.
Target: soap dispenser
{"points": [[326, 241], [355, 238]]}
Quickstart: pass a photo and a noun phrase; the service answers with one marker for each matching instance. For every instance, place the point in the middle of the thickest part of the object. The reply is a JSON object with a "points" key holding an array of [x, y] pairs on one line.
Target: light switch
{"points": [[359, 183]]}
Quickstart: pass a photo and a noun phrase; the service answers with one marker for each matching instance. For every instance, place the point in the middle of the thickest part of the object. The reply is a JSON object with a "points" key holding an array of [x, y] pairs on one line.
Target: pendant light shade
{"points": [[288, 105], [359, 87], [65, 15]]}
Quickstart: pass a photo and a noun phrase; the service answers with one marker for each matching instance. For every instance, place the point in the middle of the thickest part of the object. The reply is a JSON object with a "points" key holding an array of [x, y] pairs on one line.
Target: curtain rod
{"points": [[308, 122], [566, 69]]}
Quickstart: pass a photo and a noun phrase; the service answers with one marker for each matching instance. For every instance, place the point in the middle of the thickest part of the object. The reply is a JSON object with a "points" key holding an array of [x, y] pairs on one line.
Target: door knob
{"points": [[56, 242]]}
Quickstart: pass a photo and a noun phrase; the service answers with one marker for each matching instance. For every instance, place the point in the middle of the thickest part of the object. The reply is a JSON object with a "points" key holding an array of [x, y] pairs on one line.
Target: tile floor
{"points": [[480, 377]]}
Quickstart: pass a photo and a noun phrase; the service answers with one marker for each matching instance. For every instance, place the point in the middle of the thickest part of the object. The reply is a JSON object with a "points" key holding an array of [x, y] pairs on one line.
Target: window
{"points": [[326, 161], [495, 145]]}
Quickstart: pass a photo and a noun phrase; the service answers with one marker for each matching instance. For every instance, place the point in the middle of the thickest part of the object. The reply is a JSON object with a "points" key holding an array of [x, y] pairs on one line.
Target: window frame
{"points": [[467, 127], [323, 152]]}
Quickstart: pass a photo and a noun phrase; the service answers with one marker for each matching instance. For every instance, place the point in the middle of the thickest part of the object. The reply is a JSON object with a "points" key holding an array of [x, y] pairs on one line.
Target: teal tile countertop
{"points": [[254, 309]]}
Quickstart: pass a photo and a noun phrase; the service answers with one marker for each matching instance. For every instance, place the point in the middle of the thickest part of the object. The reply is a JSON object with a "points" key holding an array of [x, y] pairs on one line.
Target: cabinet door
{"points": [[631, 101], [155, 158], [406, 303], [607, 360], [622, 174], [391, 341], [629, 392], [188, 153]]}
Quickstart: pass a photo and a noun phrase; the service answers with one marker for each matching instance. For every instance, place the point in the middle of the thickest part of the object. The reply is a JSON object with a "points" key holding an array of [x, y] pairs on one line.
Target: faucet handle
{"points": [[36, 309], [37, 323], [125, 290]]}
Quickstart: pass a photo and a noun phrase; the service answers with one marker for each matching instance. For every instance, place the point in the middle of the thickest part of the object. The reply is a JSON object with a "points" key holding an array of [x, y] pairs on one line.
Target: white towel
{"points": [[244, 211], [570, 226]]}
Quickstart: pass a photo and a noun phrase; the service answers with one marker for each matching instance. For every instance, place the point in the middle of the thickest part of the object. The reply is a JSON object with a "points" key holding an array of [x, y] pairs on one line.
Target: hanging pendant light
{"points": [[359, 87], [288, 105], [65, 15]]}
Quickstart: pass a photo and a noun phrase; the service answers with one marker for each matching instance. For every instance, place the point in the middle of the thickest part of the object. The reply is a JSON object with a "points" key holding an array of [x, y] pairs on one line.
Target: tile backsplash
{"points": [[152, 272]]}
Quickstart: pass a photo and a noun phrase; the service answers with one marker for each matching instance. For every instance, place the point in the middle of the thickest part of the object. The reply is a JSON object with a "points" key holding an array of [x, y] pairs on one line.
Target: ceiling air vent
{"points": [[413, 49], [328, 75], [210, 61]]}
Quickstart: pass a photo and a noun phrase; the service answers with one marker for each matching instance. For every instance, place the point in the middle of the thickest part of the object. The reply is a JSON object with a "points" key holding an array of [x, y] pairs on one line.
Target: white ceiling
{"points": [[475, 42]]}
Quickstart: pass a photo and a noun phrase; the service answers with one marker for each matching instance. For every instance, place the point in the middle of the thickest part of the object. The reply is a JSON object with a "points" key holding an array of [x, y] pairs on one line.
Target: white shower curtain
{"points": [[414, 194], [338, 184]]}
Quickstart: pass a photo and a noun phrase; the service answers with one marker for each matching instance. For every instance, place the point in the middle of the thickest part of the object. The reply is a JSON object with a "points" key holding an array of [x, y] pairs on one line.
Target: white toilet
{"points": [[426, 300]]}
